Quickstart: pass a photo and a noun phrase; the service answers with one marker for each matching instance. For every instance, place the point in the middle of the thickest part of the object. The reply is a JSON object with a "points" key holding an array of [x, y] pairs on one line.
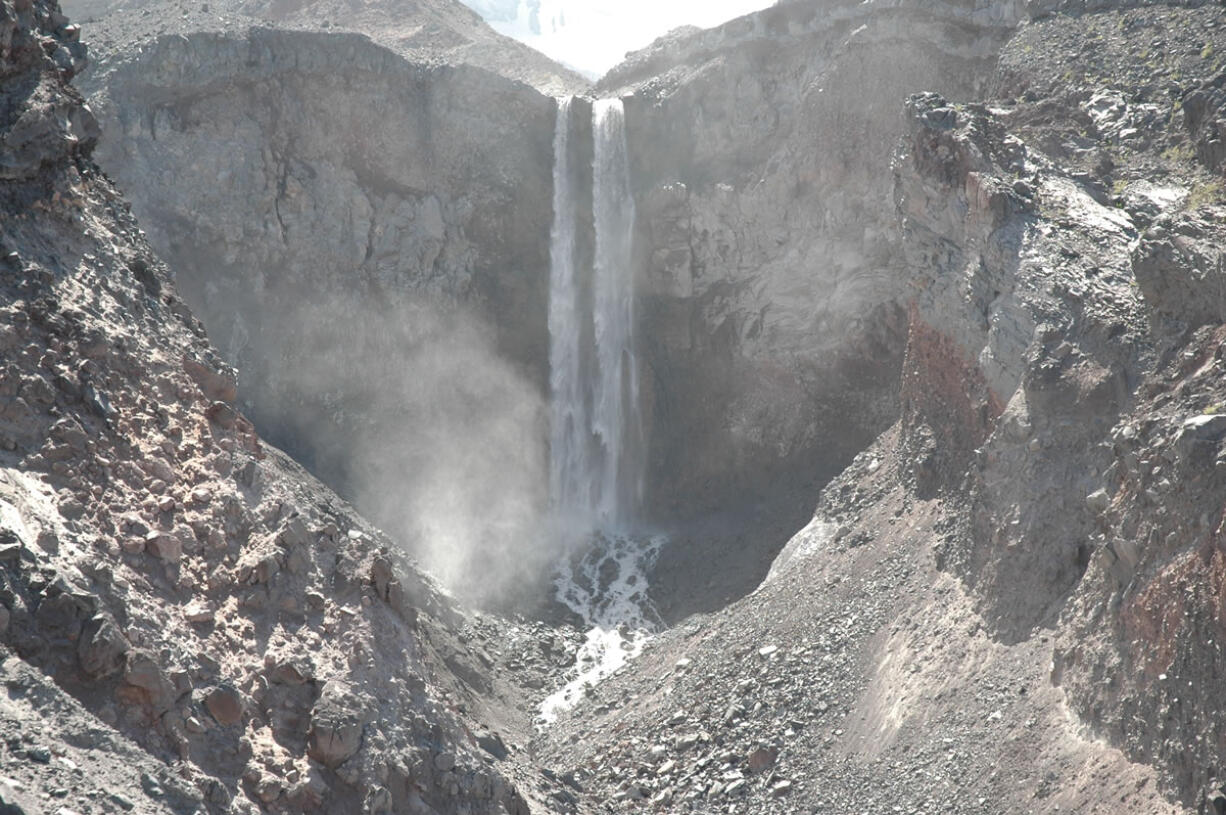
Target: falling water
{"points": [[616, 419], [596, 437], [596, 427], [570, 467]]}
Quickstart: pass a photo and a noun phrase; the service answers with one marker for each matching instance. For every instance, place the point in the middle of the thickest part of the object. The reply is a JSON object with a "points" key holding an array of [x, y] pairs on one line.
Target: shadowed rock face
{"points": [[366, 239], [276, 165], [359, 188], [43, 122], [773, 283]]}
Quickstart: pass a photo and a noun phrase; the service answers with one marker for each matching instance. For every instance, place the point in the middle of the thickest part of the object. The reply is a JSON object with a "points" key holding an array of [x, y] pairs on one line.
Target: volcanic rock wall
{"points": [[773, 285], [1064, 241], [190, 621], [772, 289], [354, 229]]}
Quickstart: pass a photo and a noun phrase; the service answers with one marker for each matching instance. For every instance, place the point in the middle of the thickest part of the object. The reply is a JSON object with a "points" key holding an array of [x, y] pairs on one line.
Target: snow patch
{"points": [[804, 544]]}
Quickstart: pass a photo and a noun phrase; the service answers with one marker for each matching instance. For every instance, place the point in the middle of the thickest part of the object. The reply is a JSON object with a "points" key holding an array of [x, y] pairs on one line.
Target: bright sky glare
{"points": [[592, 36]]}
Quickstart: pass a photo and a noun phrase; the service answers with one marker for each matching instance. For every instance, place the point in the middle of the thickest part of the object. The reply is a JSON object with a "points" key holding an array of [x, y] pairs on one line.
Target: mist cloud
{"points": [[429, 431]]}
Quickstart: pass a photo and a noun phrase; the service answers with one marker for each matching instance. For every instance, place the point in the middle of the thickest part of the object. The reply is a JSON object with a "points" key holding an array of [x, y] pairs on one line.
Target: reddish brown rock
{"points": [[225, 705]]}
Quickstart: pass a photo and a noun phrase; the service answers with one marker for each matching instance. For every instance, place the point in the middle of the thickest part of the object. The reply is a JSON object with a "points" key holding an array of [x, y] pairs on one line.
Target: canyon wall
{"points": [[1060, 382], [776, 295], [773, 284], [366, 239], [771, 287]]}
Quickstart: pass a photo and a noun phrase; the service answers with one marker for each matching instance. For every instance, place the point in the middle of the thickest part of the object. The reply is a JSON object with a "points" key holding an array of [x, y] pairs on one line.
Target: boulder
{"points": [[165, 546], [223, 415], [337, 721], [225, 705], [143, 671], [102, 648], [61, 615], [218, 385]]}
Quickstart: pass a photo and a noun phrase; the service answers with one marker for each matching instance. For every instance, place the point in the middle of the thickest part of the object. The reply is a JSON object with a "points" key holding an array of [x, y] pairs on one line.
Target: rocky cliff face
{"points": [[352, 227], [773, 291], [1059, 367], [774, 288], [189, 620]]}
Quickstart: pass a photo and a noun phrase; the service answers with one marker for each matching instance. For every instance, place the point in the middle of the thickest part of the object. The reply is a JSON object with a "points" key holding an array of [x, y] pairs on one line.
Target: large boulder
{"points": [[337, 722], [102, 648]]}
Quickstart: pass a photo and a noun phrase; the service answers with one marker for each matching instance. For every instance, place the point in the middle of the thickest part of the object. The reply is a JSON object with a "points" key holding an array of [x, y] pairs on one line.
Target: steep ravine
{"points": [[771, 289], [989, 331], [189, 621]]}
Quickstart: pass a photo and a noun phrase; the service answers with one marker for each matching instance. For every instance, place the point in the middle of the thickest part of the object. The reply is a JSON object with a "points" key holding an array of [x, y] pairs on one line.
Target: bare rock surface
{"points": [[353, 224], [775, 290], [180, 599], [1009, 600]]}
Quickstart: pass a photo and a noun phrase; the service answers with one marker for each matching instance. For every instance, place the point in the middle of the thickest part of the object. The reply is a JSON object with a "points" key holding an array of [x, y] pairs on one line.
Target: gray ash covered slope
{"points": [[1012, 600], [189, 621]]}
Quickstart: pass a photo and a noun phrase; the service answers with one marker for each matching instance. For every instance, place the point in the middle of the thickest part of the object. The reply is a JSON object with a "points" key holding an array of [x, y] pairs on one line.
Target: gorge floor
{"points": [[857, 678]]}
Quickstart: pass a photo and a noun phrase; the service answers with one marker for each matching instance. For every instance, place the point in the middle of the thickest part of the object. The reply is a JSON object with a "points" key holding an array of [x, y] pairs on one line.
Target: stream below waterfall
{"points": [[607, 587]]}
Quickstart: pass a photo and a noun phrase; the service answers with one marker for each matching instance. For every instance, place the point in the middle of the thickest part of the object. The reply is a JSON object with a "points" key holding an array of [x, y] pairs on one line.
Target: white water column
{"points": [[596, 435], [570, 466], [616, 416]]}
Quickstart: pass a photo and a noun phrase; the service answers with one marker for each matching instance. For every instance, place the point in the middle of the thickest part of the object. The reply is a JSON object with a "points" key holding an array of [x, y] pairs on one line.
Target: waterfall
{"points": [[596, 429], [570, 467], [615, 412], [596, 437]]}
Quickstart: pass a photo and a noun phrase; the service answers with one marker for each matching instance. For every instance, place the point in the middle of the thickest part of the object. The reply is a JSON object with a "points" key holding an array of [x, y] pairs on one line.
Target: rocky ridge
{"points": [[190, 621], [440, 32]]}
